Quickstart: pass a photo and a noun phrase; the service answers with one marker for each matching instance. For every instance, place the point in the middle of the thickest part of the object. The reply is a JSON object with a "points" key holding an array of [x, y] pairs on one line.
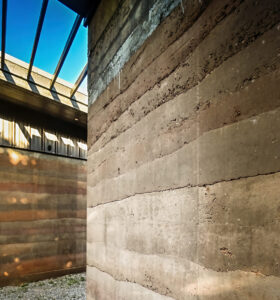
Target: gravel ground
{"points": [[62, 288]]}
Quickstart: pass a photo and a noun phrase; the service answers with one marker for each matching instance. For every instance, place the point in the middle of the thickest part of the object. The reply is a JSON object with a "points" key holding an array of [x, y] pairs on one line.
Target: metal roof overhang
{"points": [[85, 8], [19, 95], [14, 93]]}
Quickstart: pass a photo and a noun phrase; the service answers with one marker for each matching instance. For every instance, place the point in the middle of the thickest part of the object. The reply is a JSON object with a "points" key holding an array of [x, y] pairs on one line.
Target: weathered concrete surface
{"points": [[221, 232], [42, 215], [143, 18], [183, 163]]}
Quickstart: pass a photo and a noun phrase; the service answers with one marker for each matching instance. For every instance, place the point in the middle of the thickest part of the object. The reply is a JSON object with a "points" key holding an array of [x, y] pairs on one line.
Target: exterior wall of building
{"points": [[18, 134], [25, 128], [42, 215], [183, 158]]}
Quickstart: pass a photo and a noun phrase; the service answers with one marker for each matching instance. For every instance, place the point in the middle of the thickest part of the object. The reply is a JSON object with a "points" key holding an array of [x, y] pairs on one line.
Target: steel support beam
{"points": [[37, 36], [79, 81], [3, 40], [66, 49]]}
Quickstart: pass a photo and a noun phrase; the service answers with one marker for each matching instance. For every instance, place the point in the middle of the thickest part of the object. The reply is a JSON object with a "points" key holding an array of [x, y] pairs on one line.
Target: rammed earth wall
{"points": [[42, 216], [184, 161]]}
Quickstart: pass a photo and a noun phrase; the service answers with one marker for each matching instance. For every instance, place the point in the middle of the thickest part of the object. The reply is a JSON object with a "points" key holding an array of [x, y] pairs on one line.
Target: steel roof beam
{"points": [[3, 40], [37, 36], [66, 49], [79, 81]]}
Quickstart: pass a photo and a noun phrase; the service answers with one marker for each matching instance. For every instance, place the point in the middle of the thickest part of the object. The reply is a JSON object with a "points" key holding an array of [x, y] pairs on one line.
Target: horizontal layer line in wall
{"points": [[181, 187]]}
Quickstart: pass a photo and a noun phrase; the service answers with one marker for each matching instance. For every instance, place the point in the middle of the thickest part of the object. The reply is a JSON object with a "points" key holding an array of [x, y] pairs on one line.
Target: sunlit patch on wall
{"points": [[12, 200], [69, 264], [16, 158], [24, 200], [33, 162], [16, 260], [51, 136], [82, 146], [21, 137], [68, 142], [34, 132], [7, 131]]}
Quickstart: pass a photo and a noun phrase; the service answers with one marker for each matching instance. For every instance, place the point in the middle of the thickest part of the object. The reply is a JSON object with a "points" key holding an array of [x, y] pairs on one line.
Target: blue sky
{"points": [[22, 20]]}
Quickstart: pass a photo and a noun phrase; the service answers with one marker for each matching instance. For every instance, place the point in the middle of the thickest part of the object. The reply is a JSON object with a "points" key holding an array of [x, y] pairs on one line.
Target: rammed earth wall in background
{"points": [[42, 216], [183, 161]]}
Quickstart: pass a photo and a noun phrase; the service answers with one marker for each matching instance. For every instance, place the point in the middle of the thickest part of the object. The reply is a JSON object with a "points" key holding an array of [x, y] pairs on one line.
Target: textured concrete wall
{"points": [[184, 161], [42, 215]]}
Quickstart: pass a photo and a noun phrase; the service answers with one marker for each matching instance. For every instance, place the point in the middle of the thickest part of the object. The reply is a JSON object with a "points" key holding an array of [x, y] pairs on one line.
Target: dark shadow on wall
{"points": [[74, 103], [25, 132], [32, 85], [54, 94], [7, 74]]}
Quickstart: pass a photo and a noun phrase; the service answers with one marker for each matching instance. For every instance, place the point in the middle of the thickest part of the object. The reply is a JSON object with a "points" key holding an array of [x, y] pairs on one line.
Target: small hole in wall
{"points": [[49, 148]]}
